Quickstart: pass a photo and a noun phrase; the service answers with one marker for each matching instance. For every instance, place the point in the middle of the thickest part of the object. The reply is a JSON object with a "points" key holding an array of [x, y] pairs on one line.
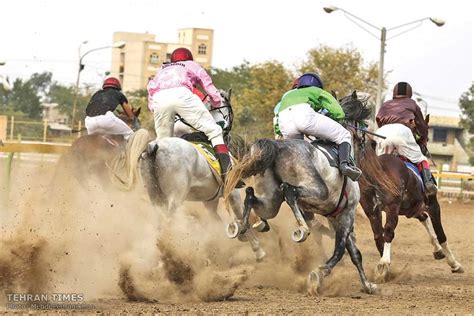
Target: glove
{"points": [[135, 124]]}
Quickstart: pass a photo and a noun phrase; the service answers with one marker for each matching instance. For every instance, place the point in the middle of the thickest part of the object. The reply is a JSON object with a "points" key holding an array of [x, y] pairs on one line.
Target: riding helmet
{"points": [[310, 79], [112, 82], [402, 90], [181, 54]]}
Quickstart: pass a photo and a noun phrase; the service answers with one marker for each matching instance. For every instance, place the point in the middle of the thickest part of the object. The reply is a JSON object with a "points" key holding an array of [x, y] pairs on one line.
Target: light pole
{"points": [[383, 39], [119, 44]]}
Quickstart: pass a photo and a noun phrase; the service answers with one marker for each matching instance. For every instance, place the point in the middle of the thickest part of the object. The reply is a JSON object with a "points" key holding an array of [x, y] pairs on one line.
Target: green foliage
{"points": [[342, 70], [466, 103]]}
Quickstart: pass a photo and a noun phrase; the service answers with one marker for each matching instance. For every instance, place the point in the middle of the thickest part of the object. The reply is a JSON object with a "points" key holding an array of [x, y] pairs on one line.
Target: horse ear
{"points": [[354, 95], [229, 94], [427, 118], [137, 111]]}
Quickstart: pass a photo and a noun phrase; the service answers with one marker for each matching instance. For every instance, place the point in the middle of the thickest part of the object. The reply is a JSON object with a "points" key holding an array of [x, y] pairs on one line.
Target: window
{"points": [[168, 57], [202, 49], [440, 135], [154, 58]]}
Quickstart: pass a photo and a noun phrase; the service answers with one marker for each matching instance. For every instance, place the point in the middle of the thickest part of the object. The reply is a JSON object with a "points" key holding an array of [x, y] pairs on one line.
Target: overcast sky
{"points": [[44, 35]]}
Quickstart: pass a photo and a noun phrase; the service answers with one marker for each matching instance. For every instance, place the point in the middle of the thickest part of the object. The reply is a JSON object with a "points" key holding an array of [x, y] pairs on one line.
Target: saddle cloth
{"points": [[208, 152], [416, 172], [330, 150]]}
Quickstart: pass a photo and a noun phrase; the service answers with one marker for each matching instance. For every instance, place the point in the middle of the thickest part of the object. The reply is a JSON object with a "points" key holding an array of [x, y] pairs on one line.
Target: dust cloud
{"points": [[59, 235]]}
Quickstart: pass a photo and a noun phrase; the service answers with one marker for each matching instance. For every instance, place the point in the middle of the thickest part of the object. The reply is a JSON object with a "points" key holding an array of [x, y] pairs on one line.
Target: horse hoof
{"points": [[234, 229], [313, 283], [261, 226], [260, 254], [371, 288], [458, 269], [438, 255], [381, 272], [300, 234]]}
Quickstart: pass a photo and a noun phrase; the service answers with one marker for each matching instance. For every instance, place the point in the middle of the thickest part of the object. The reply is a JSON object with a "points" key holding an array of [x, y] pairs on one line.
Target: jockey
{"points": [[310, 110], [170, 92], [276, 109], [398, 115], [100, 118]]}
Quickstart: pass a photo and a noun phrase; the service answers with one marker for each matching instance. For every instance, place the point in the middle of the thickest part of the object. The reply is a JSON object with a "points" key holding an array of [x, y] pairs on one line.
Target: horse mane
{"points": [[355, 108]]}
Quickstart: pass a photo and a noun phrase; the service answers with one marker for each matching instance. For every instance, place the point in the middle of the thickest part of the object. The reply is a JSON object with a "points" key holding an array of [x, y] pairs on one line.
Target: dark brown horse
{"points": [[90, 155], [409, 200]]}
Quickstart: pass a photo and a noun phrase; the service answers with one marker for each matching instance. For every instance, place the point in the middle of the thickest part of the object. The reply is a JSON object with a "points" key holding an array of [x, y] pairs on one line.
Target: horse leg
{"points": [[343, 229], [373, 212], [318, 229], [426, 221], [291, 195], [234, 200], [435, 215], [356, 258], [383, 267]]}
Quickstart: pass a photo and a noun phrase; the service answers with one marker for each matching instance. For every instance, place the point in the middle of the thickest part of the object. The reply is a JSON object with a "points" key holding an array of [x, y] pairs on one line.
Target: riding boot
{"points": [[345, 166], [223, 155], [430, 186]]}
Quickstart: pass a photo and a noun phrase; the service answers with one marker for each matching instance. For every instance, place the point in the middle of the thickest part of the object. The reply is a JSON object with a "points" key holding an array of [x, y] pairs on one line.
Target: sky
{"points": [[44, 35]]}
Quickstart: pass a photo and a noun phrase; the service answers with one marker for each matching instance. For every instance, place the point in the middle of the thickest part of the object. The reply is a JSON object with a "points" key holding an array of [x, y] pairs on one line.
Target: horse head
{"points": [[356, 112], [224, 115], [123, 116]]}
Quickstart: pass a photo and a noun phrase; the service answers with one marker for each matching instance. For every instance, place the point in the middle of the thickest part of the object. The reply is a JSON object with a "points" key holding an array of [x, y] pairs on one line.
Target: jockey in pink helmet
{"points": [[170, 92]]}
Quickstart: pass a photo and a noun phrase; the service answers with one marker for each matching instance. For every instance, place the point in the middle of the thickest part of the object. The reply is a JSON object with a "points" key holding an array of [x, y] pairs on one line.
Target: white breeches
{"points": [[300, 119], [169, 102], [400, 140], [107, 124]]}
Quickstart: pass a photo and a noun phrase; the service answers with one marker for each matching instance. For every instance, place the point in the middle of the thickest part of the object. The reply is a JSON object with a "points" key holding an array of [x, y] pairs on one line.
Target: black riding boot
{"points": [[430, 186], [225, 162], [346, 168]]}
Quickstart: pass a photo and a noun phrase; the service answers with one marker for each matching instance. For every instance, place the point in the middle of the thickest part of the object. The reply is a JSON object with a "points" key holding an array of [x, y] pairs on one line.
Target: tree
{"points": [[342, 70], [466, 103]]}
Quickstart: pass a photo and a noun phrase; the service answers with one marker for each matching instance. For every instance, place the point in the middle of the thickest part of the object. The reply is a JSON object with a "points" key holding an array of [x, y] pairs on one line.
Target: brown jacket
{"points": [[404, 111]]}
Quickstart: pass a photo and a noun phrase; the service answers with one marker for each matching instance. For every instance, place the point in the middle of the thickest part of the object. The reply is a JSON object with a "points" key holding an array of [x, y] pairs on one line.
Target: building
{"points": [[447, 144], [141, 56]]}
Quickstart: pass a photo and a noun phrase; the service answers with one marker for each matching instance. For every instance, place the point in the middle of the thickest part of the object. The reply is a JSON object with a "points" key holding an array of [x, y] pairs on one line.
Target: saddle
{"points": [[331, 151]]}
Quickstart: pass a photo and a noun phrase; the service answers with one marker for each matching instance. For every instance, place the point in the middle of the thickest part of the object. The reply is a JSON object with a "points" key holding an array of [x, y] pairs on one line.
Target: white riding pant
{"points": [[107, 124], [169, 102], [399, 140], [300, 119]]}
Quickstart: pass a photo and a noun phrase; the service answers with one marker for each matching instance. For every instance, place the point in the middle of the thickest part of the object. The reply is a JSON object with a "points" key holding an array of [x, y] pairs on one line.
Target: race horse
{"points": [[91, 156], [177, 171], [300, 173], [408, 199]]}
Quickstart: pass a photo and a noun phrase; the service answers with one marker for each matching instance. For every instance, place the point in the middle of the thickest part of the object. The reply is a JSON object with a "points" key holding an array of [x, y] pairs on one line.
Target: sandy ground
{"points": [[418, 284]]}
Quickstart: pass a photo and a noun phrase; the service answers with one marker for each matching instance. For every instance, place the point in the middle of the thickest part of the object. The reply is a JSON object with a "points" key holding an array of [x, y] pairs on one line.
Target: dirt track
{"points": [[419, 285]]}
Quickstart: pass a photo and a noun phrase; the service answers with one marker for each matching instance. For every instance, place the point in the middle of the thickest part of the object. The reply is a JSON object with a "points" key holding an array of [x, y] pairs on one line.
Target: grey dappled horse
{"points": [[177, 172], [295, 171]]}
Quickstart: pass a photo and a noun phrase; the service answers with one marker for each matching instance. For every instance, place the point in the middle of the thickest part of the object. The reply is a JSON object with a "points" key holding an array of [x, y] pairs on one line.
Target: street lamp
{"points": [[383, 38], [119, 44]]}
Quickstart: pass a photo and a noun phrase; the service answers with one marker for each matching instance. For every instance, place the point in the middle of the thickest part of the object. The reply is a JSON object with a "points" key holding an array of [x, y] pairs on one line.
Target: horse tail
{"points": [[373, 172], [124, 167], [261, 157]]}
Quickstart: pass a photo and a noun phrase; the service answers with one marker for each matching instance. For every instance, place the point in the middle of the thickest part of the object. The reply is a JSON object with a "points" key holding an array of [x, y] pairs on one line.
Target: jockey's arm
{"points": [[208, 86], [332, 105], [128, 110]]}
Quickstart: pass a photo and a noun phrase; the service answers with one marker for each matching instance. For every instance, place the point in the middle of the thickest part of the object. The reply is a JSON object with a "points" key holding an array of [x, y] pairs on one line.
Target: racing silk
{"points": [[182, 74], [317, 98], [402, 111]]}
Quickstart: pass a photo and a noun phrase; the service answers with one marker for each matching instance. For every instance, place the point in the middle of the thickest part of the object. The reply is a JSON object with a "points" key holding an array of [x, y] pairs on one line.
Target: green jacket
{"points": [[317, 98]]}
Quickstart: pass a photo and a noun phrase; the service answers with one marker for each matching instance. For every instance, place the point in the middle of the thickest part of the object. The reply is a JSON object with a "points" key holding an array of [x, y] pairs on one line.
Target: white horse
{"points": [[177, 172]]}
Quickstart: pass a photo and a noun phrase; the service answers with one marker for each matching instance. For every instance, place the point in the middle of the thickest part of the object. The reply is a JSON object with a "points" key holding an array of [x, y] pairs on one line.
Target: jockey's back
{"points": [[183, 74]]}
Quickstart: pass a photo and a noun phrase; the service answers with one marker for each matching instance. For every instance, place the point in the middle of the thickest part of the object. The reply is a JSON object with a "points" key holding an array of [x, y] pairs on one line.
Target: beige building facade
{"points": [[142, 55]]}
